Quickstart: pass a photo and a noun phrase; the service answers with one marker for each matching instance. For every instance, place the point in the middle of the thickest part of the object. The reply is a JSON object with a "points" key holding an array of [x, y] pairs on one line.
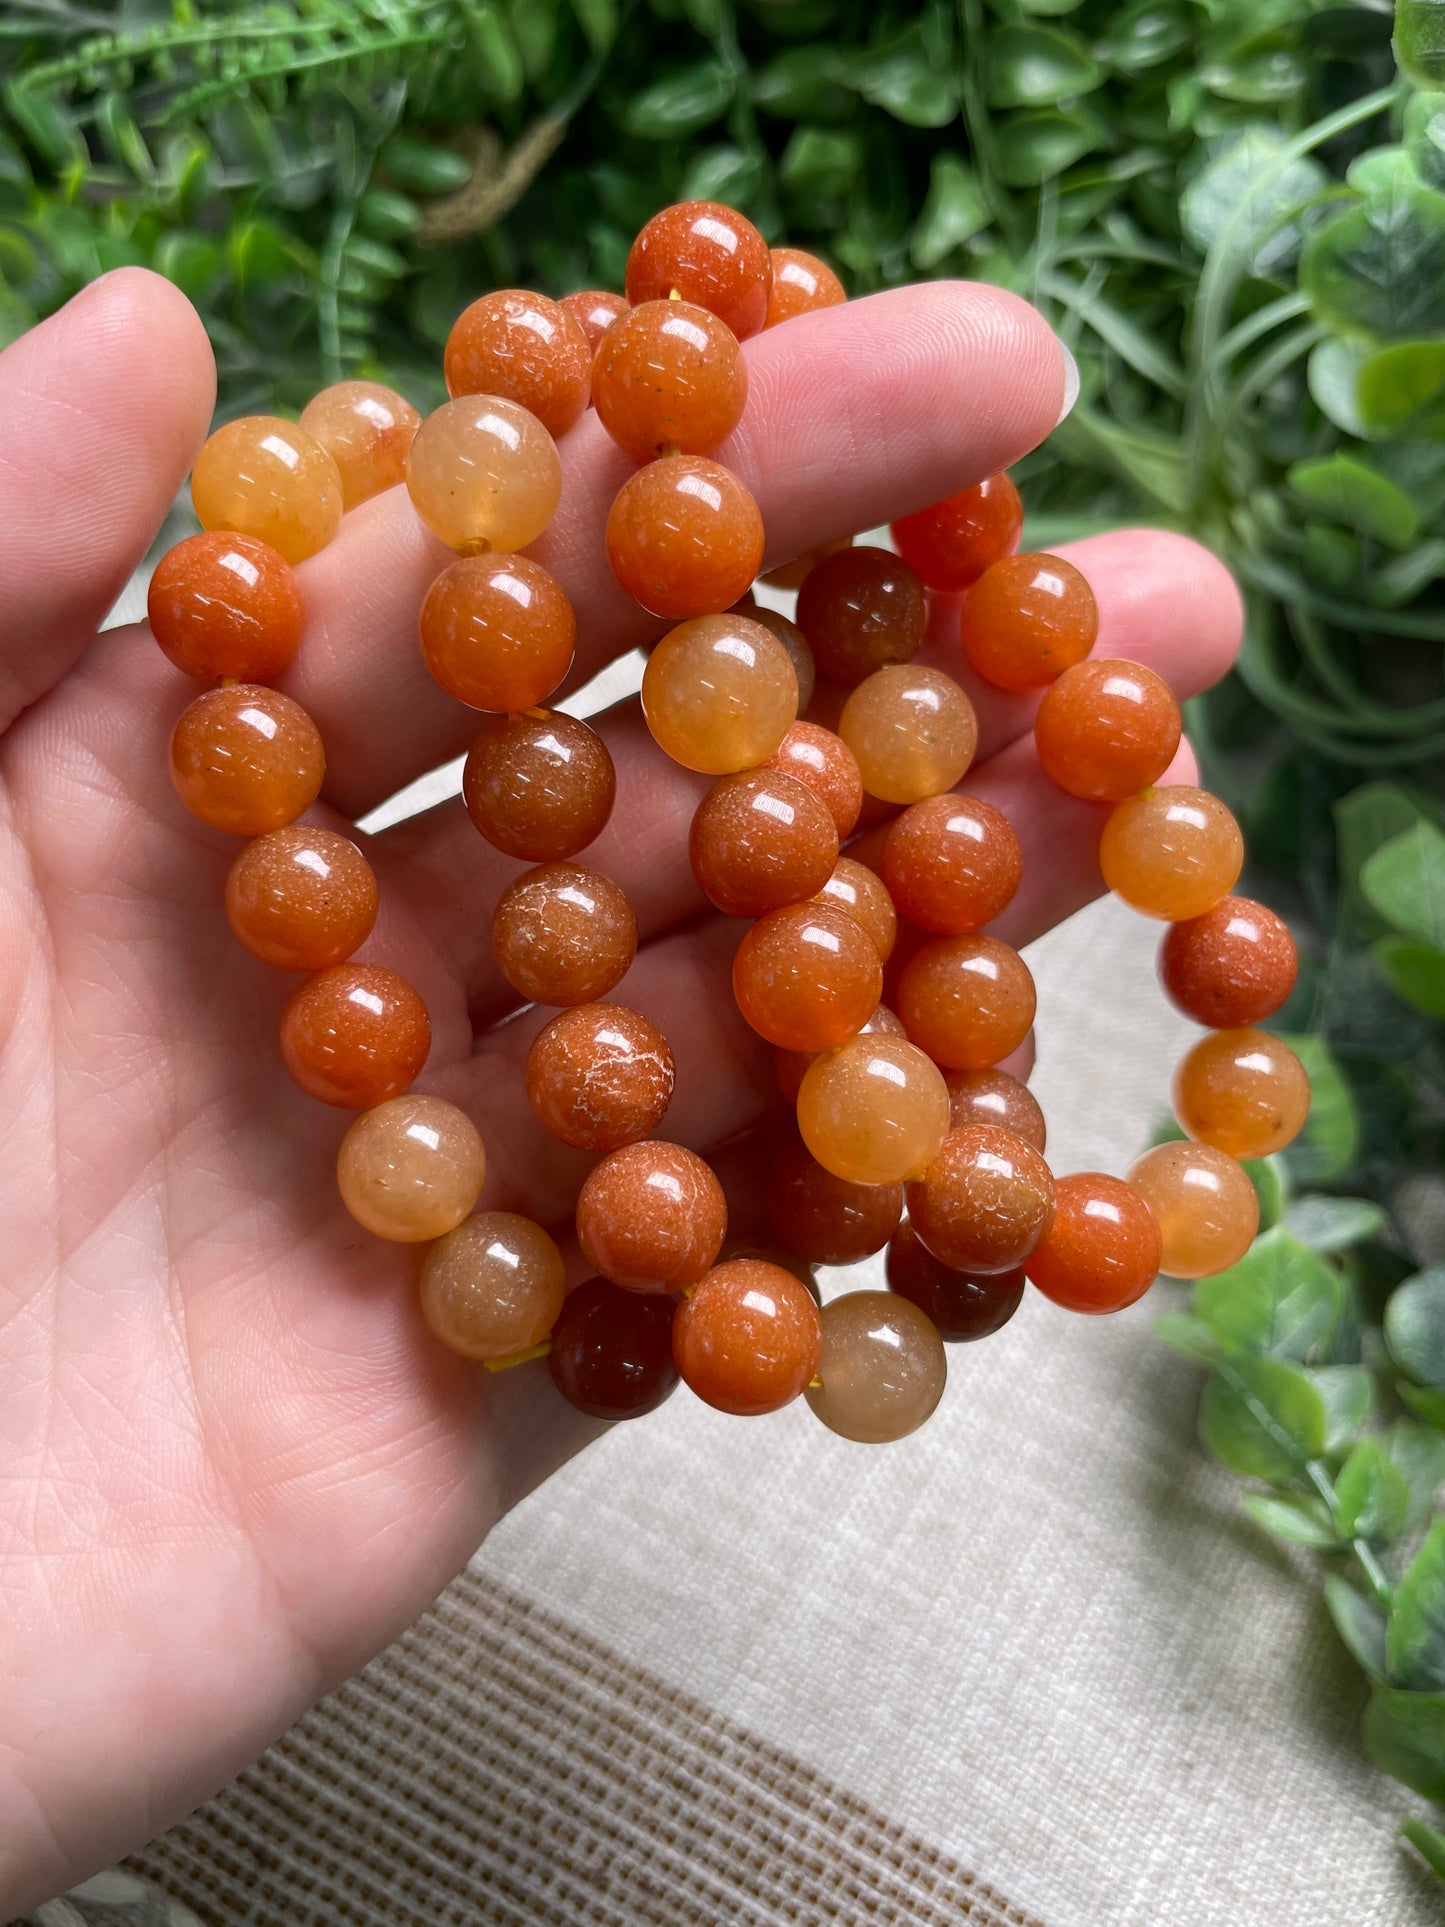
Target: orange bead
{"points": [[912, 730], [791, 1066], [1107, 728], [824, 762], [719, 694], [792, 639], [1103, 1248], [801, 283], [863, 895], [951, 544], [792, 575], [600, 1076], [708, 254], [748, 1339], [882, 1368], [563, 935], [267, 477], [962, 1306], [669, 379], [1243, 1091], [1027, 619], [493, 1287], [246, 759], [993, 1097], [861, 610], [952, 864], [760, 840], [301, 898], [226, 605], [355, 1035], [807, 977], [1171, 853], [873, 1111], [483, 473], [967, 1001], [366, 429], [984, 1202], [539, 787], [1235, 965], [1206, 1207], [412, 1169], [823, 1219], [594, 310], [526, 348], [651, 1217], [684, 537], [497, 632]]}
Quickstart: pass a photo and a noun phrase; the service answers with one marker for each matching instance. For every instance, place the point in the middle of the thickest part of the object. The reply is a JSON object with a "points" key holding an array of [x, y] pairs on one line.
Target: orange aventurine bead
{"points": [[962, 1306], [991, 1096], [984, 1202], [226, 605], [951, 544], [651, 1217], [760, 840], [912, 731], [563, 935], [1206, 1207], [539, 787], [874, 1111], [1107, 728], [246, 759], [967, 1001], [861, 610], [493, 1287], [824, 762], [807, 976], [366, 429], [1026, 620], [669, 379], [1103, 1248], [355, 1035], [823, 1219], [1243, 1091], [719, 694], [600, 1076], [1171, 853], [301, 898], [801, 283], [594, 310], [483, 473], [708, 254], [863, 895], [748, 1339], [269, 478], [684, 537], [1235, 965], [497, 632], [882, 1368], [525, 347], [952, 864], [412, 1169], [791, 1066]]}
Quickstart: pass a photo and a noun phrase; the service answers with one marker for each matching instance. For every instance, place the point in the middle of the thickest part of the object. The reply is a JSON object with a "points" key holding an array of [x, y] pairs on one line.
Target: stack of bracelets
{"points": [[897, 1103]]}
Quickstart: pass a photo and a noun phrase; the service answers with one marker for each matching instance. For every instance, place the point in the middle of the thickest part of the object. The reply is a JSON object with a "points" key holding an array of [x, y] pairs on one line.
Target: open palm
{"points": [[232, 1462]]}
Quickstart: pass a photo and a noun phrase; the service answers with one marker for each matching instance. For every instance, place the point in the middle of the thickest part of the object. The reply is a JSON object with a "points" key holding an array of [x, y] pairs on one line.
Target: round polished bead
{"points": [[882, 1366], [912, 730], [669, 379], [823, 761], [494, 1286], [651, 1217], [807, 976], [1243, 1091], [791, 1066], [611, 1352], [794, 641], [993, 1097], [1102, 1250], [984, 1202], [760, 840], [412, 1169], [861, 610], [961, 1304], [226, 605], [497, 632], [1026, 620], [951, 864], [1106, 729], [246, 759], [950, 545], [600, 1076], [483, 473], [874, 1111], [719, 694], [708, 254], [355, 1035], [1171, 853], [563, 935], [366, 429], [824, 1219], [684, 537], [748, 1339], [801, 283], [1206, 1207], [792, 575], [967, 1001], [266, 477], [523, 347], [594, 310], [539, 787], [1233, 966], [301, 898], [863, 895]]}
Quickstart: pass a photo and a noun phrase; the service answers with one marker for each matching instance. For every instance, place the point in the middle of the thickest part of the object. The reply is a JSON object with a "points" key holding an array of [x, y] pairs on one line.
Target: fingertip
{"points": [[1166, 599], [132, 308]]}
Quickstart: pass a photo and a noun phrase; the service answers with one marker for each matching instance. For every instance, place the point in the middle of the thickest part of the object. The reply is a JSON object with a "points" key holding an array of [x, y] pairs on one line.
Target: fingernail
{"points": [[1071, 382]]}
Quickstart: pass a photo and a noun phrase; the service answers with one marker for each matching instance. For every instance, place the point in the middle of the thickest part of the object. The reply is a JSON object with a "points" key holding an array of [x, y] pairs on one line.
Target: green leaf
{"points": [[496, 58], [725, 174], [1346, 1392], [1359, 1622], [1033, 148], [1300, 1521], [423, 166], [1331, 1138], [1262, 1418], [1247, 196], [1145, 35], [1373, 1496], [1418, 1452], [1414, 971], [681, 103], [803, 84], [1365, 820], [1333, 378], [1420, 41], [953, 213], [819, 166], [1405, 882], [904, 83], [1382, 170], [1429, 1844], [1281, 1298], [598, 21], [1415, 1326], [1424, 1402], [1425, 137], [1350, 491], [1184, 1333], [1415, 1642], [1038, 67], [1380, 267], [1329, 1224], [1405, 1734], [1397, 385]]}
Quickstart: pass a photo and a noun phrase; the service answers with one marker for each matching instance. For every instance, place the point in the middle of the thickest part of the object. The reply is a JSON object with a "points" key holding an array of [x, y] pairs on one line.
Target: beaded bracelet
{"points": [[897, 1103]]}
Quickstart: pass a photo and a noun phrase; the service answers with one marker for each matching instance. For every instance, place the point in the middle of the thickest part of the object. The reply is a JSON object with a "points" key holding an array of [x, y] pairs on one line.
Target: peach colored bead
{"points": [[1026, 620], [301, 898], [651, 1217], [952, 864], [860, 610], [246, 759], [1234, 965], [794, 641], [669, 380], [482, 473], [267, 477], [874, 1111], [951, 544], [984, 1202], [826, 1220], [1208, 1211], [748, 1339], [993, 1097], [708, 254], [1103, 1248], [366, 429], [600, 1076], [1107, 728], [494, 1287], [823, 761], [801, 283], [226, 605], [792, 575], [807, 977], [1243, 1091], [1171, 853], [882, 1366], [540, 786], [355, 1035], [526, 348], [760, 840], [967, 1001], [790, 1066], [719, 694], [497, 632], [912, 730], [594, 310], [862, 893], [563, 935], [684, 537], [412, 1169]]}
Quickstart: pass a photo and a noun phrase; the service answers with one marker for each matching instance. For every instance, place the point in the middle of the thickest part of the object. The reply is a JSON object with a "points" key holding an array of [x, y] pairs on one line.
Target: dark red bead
{"points": [[960, 1305], [611, 1352]]}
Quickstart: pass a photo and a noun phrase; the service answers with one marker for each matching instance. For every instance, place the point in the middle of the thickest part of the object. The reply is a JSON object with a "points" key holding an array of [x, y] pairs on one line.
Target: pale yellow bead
{"points": [[484, 474]]}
